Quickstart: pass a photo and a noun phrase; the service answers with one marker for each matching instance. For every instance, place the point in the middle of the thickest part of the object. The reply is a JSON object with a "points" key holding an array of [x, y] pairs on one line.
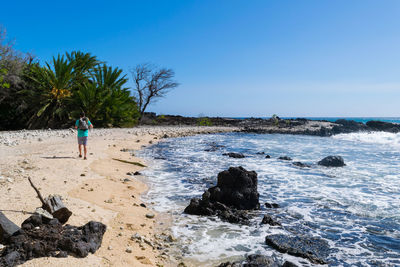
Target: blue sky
{"points": [[234, 58]]}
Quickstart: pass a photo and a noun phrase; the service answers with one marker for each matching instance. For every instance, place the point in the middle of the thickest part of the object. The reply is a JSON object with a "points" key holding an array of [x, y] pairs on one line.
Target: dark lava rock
{"points": [[41, 238], [332, 161], [271, 205], [301, 164], [288, 264], [236, 190], [137, 173], [384, 126], [234, 155], [260, 153], [253, 261], [269, 220], [267, 156], [213, 147], [312, 248], [285, 158], [348, 126]]}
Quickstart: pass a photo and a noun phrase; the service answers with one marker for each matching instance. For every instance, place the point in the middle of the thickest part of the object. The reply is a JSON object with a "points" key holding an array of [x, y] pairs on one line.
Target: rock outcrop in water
{"points": [[301, 164], [257, 261], [332, 161], [236, 191], [234, 155], [40, 237], [384, 126], [312, 248]]}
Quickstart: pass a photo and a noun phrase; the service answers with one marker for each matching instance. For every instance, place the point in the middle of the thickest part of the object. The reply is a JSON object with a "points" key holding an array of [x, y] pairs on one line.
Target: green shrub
{"points": [[204, 122]]}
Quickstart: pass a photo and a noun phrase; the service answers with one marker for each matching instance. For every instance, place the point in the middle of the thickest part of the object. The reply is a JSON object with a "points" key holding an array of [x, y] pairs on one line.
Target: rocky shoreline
{"points": [[277, 125]]}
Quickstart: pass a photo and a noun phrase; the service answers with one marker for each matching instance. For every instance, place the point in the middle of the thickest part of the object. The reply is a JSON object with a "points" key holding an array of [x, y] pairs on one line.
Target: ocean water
{"points": [[355, 208], [332, 119]]}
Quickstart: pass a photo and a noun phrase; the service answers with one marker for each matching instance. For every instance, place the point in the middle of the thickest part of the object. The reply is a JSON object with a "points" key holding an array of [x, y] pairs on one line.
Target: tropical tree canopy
{"points": [[53, 94]]}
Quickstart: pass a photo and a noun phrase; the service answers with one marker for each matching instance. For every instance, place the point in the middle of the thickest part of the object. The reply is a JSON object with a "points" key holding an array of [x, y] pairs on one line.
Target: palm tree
{"points": [[54, 89], [104, 98]]}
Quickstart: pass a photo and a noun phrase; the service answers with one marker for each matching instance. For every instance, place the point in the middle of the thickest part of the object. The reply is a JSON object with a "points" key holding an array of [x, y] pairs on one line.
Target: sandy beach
{"points": [[96, 189]]}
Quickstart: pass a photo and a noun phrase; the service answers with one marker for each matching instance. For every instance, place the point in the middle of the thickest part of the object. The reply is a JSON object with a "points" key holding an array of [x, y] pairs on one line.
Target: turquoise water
{"points": [[358, 119], [356, 209]]}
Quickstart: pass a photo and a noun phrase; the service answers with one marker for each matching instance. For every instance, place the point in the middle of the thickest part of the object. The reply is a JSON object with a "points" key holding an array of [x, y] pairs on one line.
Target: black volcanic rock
{"points": [[267, 219], [332, 161], [213, 147], [49, 238], [301, 164], [253, 261], [267, 156], [271, 205], [312, 248], [384, 126], [348, 126], [285, 158], [234, 155], [236, 190]]}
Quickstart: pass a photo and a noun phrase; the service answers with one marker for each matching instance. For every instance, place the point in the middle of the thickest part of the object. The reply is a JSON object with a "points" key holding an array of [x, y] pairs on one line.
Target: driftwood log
{"points": [[54, 205], [7, 227]]}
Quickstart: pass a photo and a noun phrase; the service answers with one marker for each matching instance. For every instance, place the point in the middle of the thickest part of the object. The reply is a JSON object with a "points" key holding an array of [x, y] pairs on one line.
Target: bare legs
{"points": [[84, 151]]}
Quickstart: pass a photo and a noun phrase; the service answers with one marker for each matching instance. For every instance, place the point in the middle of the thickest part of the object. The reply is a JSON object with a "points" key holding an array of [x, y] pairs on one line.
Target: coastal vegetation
{"points": [[51, 95]]}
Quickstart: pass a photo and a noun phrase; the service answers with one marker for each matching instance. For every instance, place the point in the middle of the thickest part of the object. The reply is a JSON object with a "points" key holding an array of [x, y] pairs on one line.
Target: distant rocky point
{"points": [[276, 124]]}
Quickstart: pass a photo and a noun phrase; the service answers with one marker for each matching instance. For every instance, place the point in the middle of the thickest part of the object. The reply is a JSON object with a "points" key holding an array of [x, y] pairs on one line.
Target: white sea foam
{"points": [[384, 138], [352, 208]]}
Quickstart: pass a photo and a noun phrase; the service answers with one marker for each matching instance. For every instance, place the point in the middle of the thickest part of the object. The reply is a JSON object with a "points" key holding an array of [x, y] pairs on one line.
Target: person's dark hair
{"points": [[82, 114]]}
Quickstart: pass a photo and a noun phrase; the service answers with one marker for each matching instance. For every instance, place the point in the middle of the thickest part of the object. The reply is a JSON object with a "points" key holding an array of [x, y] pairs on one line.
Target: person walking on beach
{"points": [[83, 124]]}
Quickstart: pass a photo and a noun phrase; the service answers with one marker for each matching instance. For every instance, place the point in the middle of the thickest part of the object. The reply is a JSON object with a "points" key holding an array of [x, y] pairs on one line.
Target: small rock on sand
{"points": [[128, 250], [150, 215]]}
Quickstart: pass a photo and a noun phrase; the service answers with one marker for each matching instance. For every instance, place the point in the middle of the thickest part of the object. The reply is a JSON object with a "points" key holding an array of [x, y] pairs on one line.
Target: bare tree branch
{"points": [[151, 83]]}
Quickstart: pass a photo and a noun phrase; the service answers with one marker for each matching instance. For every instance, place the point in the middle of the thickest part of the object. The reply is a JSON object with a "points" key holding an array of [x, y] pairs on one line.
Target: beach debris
{"points": [[109, 248], [128, 250], [127, 180], [7, 227], [40, 237], [108, 201], [332, 161], [54, 205], [269, 220], [44, 213], [301, 164], [150, 215], [234, 155], [2, 248], [236, 191], [82, 174], [130, 162], [314, 249], [285, 158]]}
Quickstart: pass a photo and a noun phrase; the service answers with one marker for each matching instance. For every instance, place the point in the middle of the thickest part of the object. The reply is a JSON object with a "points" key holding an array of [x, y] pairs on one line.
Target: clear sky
{"points": [[234, 58]]}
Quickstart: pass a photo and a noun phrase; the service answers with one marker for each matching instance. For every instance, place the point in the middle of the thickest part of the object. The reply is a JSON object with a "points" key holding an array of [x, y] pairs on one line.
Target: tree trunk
{"points": [[56, 207]]}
